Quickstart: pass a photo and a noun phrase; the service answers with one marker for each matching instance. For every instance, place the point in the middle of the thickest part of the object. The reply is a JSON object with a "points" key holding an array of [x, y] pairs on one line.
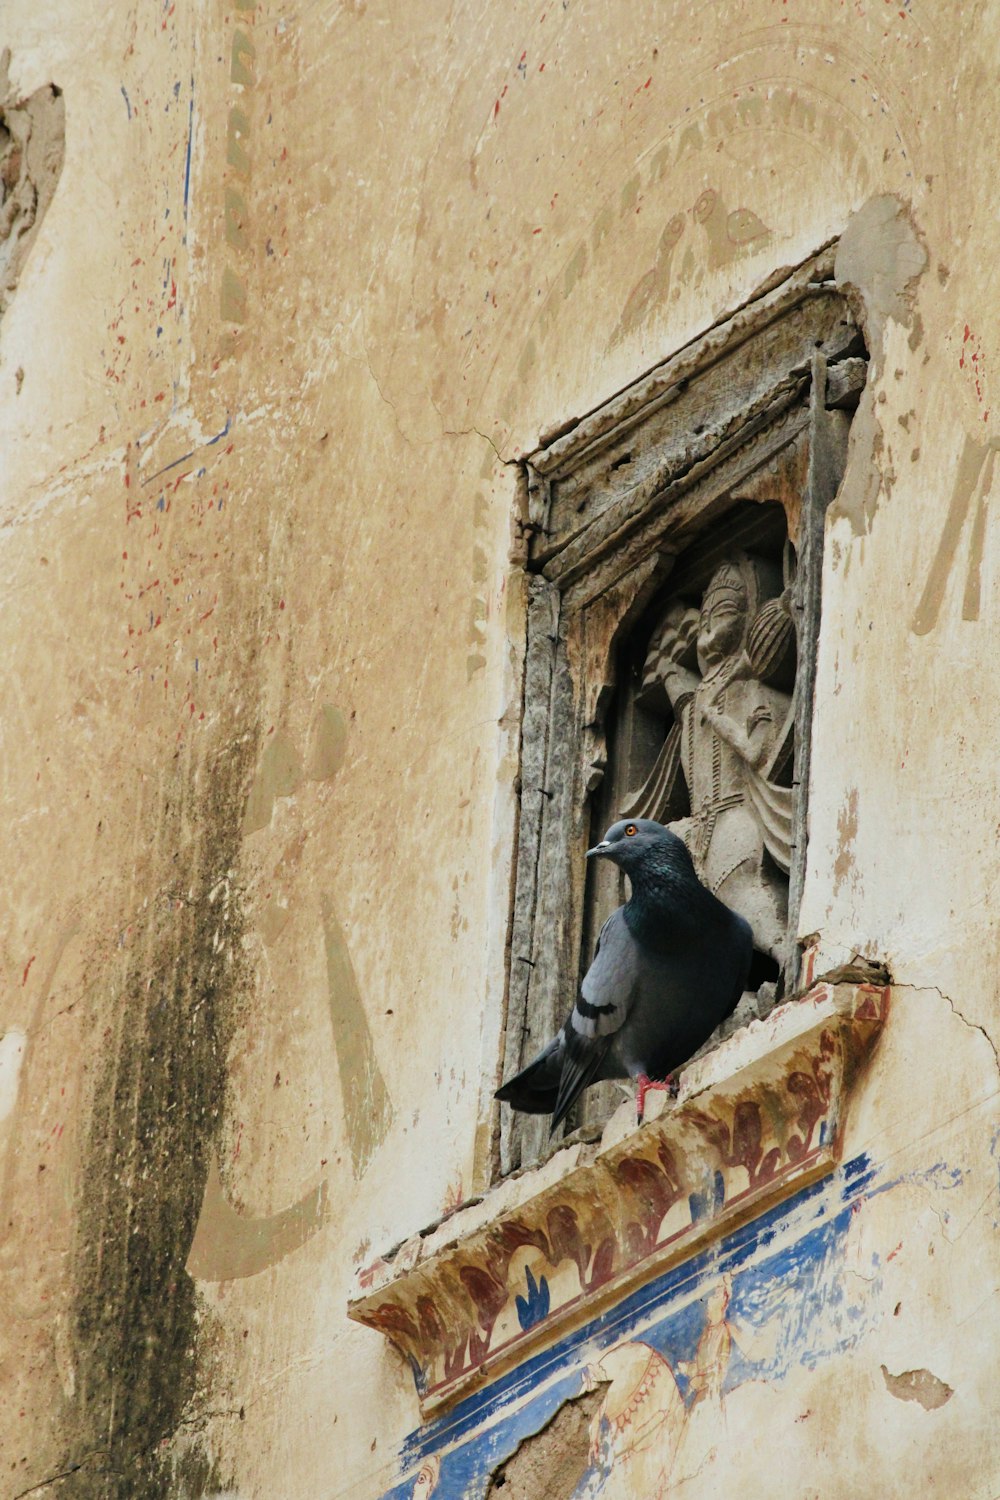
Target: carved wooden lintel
{"points": [[758, 1118]]}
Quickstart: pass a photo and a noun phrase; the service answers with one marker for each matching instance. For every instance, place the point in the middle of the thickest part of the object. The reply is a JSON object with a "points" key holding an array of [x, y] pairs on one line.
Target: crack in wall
{"points": [[475, 432], [44, 1484], [972, 1025], [445, 432]]}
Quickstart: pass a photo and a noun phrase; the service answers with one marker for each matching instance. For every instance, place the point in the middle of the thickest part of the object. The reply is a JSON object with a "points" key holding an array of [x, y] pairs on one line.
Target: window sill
{"points": [[756, 1120]]}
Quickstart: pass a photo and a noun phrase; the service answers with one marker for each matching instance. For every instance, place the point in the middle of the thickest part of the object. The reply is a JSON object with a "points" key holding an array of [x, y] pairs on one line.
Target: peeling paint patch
{"points": [[278, 775], [367, 1107], [973, 476], [32, 149], [329, 736], [881, 258], [918, 1385], [228, 1245], [12, 1047], [847, 832], [552, 1461]]}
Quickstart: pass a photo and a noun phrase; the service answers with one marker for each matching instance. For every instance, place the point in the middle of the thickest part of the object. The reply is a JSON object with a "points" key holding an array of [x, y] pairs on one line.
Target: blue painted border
{"points": [[497, 1401]]}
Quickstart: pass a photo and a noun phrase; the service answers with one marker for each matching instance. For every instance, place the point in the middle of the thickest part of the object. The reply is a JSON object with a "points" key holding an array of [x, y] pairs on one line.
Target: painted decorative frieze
{"points": [[757, 1119]]}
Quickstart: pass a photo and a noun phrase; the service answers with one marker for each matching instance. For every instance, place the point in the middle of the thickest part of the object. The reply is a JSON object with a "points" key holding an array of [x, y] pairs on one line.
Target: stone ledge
{"points": [[756, 1119]]}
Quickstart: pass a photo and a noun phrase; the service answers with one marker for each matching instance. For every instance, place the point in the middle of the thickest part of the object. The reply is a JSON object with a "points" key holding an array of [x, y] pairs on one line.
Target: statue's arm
{"points": [[753, 746], [680, 685]]}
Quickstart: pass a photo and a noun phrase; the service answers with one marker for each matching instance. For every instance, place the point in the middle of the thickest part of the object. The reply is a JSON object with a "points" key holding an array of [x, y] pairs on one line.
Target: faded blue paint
{"points": [[210, 443], [787, 1275], [187, 158]]}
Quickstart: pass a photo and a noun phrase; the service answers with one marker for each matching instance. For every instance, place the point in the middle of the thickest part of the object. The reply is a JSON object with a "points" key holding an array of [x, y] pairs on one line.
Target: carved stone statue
{"points": [[727, 671]]}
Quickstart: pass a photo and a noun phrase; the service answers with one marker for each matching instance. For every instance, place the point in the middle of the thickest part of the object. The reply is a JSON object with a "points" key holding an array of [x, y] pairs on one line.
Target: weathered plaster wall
{"points": [[310, 279]]}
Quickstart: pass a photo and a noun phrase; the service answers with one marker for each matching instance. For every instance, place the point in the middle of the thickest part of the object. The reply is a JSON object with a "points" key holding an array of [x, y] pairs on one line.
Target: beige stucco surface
{"points": [[261, 679]]}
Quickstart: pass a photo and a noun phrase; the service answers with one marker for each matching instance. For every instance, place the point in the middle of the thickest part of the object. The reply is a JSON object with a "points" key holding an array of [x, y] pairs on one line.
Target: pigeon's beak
{"points": [[604, 847]]}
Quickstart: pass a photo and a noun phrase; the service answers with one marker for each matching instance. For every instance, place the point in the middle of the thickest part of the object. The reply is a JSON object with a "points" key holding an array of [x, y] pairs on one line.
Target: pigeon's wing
{"points": [[536, 1088], [606, 997]]}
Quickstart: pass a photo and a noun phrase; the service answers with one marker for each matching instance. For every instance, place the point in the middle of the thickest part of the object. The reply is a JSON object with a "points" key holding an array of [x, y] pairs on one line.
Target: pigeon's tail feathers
{"points": [[582, 1065], [535, 1089]]}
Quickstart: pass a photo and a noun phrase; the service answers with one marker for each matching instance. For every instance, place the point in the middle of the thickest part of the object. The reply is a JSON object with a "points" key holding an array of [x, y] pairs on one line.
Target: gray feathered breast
{"points": [[669, 966]]}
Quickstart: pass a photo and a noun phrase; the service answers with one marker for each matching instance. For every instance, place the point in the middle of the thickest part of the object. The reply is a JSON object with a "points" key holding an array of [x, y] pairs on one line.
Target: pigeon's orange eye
{"points": [[631, 831]]}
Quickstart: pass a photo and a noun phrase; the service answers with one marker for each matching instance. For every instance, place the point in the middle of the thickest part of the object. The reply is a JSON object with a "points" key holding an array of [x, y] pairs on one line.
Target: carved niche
{"points": [[673, 541]]}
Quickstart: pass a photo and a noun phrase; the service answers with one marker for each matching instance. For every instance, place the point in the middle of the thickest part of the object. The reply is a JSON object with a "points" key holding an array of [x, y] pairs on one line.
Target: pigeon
{"points": [[670, 965]]}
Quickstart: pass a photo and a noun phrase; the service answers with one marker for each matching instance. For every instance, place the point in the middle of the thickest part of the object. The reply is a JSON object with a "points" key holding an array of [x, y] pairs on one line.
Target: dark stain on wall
{"points": [[156, 1112]]}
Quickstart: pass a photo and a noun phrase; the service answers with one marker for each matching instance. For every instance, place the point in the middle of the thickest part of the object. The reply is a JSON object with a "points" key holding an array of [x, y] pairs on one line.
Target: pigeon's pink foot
{"points": [[669, 1085]]}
